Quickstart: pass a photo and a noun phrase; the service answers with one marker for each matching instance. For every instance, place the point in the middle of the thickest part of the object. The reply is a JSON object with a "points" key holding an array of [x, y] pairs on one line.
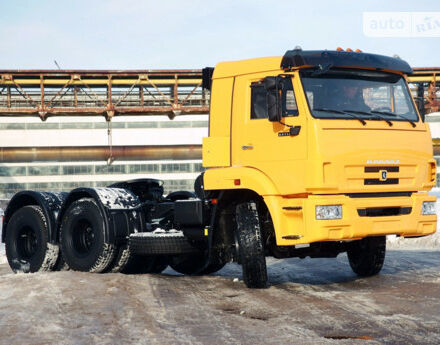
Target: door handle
{"points": [[247, 147]]}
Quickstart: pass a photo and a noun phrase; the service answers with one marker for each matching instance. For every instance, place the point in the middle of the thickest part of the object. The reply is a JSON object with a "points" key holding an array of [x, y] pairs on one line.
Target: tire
{"points": [[82, 238], [126, 262], [27, 241], [120, 260], [366, 256], [146, 264], [192, 264], [149, 243], [61, 265], [250, 242]]}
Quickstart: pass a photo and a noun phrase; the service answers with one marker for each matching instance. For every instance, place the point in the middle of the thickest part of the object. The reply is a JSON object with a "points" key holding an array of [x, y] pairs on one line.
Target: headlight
{"points": [[428, 207], [329, 212]]}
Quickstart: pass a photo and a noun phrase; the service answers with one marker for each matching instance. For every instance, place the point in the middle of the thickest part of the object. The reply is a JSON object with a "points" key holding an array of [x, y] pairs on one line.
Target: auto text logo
{"points": [[401, 24]]}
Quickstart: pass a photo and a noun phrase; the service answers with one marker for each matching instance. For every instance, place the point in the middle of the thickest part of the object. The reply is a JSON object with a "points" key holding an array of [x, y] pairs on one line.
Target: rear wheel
{"points": [[127, 262], [61, 265], [250, 245], [82, 238], [138, 264], [194, 264], [27, 241], [366, 256]]}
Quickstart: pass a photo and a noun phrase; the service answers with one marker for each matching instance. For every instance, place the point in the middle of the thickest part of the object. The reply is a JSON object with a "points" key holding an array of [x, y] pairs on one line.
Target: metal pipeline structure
{"points": [[111, 93], [97, 153], [108, 93], [425, 85], [137, 92], [102, 92]]}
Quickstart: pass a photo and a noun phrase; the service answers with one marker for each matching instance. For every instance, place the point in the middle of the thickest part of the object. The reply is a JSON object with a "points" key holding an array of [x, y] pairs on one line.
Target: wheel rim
{"points": [[83, 237], [27, 242]]}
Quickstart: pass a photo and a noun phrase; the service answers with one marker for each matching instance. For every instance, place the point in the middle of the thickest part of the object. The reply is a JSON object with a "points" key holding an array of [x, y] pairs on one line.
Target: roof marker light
{"points": [[358, 51], [349, 50], [339, 49]]}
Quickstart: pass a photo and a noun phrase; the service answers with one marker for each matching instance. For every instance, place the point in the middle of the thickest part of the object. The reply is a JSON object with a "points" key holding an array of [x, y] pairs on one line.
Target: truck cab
{"points": [[331, 140]]}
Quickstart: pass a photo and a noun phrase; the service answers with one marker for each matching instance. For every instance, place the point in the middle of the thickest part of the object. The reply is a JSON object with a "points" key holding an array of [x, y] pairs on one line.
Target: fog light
{"points": [[428, 207], [329, 212]]}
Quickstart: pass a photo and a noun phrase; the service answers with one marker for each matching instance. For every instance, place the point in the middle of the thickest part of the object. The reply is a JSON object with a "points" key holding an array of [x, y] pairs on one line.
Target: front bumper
{"points": [[295, 218]]}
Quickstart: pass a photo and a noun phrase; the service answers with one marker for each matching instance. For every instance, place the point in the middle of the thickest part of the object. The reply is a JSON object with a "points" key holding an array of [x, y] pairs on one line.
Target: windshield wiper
{"points": [[371, 113], [394, 114], [334, 111]]}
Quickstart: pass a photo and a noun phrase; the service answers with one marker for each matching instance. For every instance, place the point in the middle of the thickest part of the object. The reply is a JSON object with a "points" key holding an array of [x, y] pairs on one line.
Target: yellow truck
{"points": [[311, 154]]}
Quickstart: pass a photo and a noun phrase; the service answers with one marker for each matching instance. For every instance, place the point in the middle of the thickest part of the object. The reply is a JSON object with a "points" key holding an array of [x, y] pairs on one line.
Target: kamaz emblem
{"points": [[383, 175], [385, 161]]}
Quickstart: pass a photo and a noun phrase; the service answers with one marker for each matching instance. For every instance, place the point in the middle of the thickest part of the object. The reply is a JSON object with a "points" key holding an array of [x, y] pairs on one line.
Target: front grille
{"points": [[378, 195], [376, 181], [377, 169], [383, 211]]}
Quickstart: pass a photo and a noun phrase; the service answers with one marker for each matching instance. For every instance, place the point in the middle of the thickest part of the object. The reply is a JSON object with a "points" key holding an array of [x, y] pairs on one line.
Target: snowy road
{"points": [[311, 301]]}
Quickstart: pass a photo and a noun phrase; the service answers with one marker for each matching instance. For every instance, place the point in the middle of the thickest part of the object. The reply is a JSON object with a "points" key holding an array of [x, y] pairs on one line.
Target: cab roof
{"points": [[297, 58]]}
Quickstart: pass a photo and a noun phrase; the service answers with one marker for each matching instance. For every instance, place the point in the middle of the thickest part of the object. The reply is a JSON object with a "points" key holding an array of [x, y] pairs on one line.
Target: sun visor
{"points": [[299, 58]]}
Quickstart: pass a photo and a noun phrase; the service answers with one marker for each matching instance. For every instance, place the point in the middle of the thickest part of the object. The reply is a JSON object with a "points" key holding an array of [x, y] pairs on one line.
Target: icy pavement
{"points": [[310, 301]]}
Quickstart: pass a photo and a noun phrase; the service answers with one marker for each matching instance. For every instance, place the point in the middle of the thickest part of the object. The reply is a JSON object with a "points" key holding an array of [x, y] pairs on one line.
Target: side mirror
{"points": [[273, 87], [420, 107], [420, 100]]}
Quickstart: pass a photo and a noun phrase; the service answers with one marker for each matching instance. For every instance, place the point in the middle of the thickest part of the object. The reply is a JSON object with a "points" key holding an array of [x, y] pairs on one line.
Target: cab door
{"points": [[269, 146]]}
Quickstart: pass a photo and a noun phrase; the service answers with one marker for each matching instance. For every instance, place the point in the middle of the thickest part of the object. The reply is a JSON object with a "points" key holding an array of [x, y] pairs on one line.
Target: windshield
{"points": [[364, 95]]}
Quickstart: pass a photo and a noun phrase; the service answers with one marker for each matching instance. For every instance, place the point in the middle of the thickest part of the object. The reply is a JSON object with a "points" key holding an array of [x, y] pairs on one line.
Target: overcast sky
{"points": [[127, 34]]}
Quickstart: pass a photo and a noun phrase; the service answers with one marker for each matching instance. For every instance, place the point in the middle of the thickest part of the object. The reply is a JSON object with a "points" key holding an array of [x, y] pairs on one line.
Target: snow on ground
{"points": [[310, 301]]}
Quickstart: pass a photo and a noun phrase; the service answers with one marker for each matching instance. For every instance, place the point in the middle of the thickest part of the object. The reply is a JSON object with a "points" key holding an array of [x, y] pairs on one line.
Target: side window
{"points": [[288, 99], [400, 101], [259, 102]]}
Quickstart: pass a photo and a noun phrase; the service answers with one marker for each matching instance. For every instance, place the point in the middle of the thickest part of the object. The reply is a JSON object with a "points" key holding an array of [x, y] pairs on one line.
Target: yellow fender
{"points": [[239, 178]]}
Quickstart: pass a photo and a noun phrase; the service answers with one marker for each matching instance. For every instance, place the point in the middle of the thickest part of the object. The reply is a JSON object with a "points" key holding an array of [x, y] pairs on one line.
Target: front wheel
{"points": [[250, 245], [366, 256]]}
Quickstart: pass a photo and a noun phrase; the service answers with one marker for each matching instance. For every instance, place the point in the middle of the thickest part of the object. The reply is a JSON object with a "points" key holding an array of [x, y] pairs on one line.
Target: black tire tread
{"points": [[107, 251], [50, 255], [120, 260], [145, 264], [251, 249], [366, 256], [160, 244]]}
